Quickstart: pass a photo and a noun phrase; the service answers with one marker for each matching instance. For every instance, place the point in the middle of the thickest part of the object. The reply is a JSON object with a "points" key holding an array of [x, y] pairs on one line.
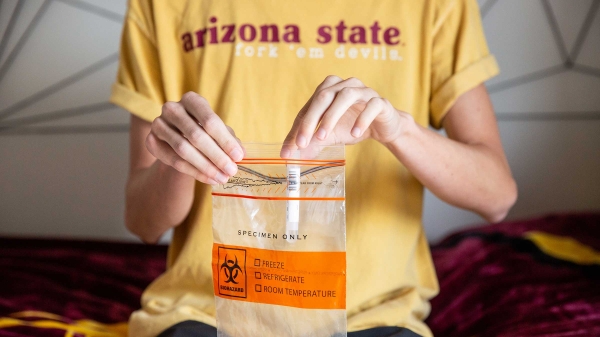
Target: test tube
{"points": [[292, 217]]}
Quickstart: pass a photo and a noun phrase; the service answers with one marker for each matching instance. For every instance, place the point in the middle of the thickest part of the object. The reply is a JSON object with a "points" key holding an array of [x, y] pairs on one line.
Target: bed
{"points": [[536, 277]]}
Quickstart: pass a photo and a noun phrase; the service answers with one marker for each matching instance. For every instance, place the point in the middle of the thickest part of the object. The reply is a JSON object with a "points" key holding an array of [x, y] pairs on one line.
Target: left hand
{"points": [[348, 112]]}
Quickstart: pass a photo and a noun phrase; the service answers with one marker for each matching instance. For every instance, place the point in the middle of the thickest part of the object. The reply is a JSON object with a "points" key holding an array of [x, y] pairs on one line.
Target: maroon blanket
{"points": [[75, 279], [496, 283], [493, 281]]}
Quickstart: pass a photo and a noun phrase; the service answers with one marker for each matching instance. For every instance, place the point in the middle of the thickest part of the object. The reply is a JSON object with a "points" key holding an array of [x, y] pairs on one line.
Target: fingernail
{"points": [[231, 169], [301, 141], [212, 182], [222, 178], [321, 133], [355, 131], [237, 154], [285, 153]]}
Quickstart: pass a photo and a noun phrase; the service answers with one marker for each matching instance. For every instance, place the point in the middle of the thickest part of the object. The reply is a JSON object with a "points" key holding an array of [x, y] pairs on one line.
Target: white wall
{"points": [[63, 170], [549, 115]]}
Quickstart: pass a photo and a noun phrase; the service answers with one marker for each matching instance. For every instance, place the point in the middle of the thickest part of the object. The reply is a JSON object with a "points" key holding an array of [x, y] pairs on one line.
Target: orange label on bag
{"points": [[311, 280]]}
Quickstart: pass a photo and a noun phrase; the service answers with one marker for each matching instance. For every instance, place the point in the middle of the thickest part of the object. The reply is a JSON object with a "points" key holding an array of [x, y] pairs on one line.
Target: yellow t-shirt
{"points": [[257, 62]]}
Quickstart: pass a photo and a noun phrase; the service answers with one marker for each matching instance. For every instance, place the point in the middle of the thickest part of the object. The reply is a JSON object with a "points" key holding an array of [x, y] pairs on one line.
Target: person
{"points": [[200, 76]]}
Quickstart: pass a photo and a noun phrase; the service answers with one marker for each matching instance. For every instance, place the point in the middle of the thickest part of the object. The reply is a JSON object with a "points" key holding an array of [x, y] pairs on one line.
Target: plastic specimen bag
{"points": [[279, 252]]}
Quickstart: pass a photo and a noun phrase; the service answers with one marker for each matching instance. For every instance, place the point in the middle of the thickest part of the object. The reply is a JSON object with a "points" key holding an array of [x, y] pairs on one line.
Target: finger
{"points": [[329, 81], [237, 139], [242, 146], [343, 101], [187, 151], [320, 103], [175, 115], [199, 108], [230, 130], [289, 144], [163, 152], [373, 108], [314, 148], [207, 146]]}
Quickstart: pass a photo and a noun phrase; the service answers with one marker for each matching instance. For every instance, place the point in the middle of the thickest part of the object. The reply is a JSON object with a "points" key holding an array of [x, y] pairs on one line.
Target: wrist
{"points": [[407, 129]]}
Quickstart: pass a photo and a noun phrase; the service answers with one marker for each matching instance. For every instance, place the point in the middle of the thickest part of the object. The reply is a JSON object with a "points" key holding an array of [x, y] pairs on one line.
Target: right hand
{"points": [[190, 137]]}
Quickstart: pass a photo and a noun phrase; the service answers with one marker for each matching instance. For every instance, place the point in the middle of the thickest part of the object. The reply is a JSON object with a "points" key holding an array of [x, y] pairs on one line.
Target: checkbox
{"points": [[258, 288], [257, 262], [257, 275]]}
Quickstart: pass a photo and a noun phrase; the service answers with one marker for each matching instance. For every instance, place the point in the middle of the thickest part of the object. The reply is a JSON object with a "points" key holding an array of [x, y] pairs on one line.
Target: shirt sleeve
{"points": [[460, 56], [138, 87]]}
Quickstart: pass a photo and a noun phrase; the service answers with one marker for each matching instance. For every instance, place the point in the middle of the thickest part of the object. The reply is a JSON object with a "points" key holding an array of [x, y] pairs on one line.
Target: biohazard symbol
{"points": [[232, 270]]}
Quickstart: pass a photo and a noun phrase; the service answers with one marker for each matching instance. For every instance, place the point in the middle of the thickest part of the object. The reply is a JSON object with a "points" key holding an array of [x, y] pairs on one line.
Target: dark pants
{"points": [[197, 329]]}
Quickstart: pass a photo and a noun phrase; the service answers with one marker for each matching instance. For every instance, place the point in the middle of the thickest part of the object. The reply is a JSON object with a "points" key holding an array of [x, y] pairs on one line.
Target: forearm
{"points": [[470, 176], [157, 198]]}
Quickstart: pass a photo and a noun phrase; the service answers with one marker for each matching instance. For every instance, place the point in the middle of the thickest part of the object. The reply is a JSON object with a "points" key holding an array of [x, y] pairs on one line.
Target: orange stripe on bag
{"points": [[289, 162], [311, 280], [299, 160], [233, 195]]}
